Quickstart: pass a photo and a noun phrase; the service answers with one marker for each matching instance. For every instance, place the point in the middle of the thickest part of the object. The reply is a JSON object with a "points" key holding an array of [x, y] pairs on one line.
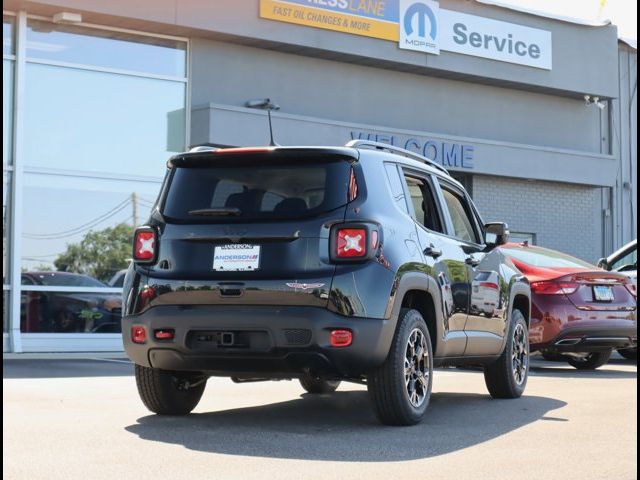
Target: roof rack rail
{"points": [[203, 148], [397, 150]]}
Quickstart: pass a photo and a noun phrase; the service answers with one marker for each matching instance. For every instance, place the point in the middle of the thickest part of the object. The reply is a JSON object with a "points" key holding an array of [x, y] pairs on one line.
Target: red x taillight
{"points": [[145, 245], [352, 242]]}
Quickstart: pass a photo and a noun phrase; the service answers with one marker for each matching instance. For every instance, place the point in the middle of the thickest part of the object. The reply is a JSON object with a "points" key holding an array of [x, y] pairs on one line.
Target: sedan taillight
{"points": [[554, 288], [145, 245]]}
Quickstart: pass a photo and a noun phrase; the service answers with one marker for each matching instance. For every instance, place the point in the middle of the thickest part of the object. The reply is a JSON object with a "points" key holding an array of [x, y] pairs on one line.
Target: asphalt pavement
{"points": [[82, 419]]}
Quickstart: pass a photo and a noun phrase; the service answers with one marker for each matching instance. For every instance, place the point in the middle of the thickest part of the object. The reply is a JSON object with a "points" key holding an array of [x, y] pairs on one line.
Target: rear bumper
{"points": [[277, 341], [594, 339]]}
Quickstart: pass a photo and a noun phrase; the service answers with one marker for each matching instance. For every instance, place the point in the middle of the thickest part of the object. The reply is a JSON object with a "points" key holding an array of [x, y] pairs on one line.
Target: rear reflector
{"points": [[352, 242], [138, 334], [340, 338], [165, 334], [144, 245], [554, 288]]}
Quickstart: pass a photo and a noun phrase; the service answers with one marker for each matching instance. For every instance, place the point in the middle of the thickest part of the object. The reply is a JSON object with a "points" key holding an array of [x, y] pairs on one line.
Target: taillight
{"points": [[352, 242], [340, 338], [633, 289], [491, 285], [138, 334], [554, 288], [353, 186], [145, 245]]}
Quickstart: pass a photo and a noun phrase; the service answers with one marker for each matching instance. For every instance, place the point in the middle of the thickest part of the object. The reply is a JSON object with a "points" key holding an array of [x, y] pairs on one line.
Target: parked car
{"points": [[68, 311], [325, 264], [579, 312], [118, 278], [625, 261]]}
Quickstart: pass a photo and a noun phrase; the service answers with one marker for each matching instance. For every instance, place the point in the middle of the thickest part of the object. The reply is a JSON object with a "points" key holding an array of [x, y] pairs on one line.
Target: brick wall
{"points": [[562, 216]]}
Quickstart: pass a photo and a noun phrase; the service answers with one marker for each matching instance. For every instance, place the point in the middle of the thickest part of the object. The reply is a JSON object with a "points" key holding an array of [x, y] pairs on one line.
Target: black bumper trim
{"points": [[371, 341]]}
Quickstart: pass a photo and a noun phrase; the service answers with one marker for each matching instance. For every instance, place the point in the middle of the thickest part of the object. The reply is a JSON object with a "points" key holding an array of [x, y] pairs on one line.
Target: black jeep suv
{"points": [[364, 263]]}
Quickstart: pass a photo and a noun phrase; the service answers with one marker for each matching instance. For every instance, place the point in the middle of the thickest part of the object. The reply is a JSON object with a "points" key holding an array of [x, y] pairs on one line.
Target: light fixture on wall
{"points": [[589, 100], [268, 105], [67, 17]]}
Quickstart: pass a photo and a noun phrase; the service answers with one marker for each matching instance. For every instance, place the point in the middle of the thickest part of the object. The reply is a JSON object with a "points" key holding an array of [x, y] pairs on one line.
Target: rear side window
{"points": [[256, 191]]}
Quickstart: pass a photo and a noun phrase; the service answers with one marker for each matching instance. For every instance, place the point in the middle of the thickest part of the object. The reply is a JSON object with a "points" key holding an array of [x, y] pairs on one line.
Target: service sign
{"points": [[420, 25]]}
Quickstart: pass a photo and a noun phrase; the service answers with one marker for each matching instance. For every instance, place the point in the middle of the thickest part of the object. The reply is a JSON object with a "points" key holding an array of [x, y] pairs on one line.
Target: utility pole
{"points": [[134, 204]]}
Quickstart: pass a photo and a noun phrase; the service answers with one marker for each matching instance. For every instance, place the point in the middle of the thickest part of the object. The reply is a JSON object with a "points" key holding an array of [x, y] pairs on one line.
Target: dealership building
{"points": [[535, 115]]}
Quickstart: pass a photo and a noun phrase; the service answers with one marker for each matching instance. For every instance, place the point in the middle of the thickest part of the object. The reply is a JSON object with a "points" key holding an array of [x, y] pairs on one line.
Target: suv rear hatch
{"points": [[244, 226]]}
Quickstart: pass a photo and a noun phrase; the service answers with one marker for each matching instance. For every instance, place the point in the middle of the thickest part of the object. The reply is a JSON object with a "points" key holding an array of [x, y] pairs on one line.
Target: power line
{"points": [[81, 228]]}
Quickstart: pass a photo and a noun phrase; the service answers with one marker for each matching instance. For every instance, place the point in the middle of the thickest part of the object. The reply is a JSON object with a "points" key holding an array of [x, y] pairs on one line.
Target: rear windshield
{"points": [[256, 191], [543, 258]]}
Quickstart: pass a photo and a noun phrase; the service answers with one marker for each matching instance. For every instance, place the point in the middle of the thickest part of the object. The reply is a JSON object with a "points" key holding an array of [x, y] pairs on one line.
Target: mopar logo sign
{"points": [[419, 25]]}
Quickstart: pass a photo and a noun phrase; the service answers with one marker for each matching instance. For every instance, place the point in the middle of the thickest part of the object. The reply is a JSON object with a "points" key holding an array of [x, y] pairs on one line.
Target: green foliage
{"points": [[99, 254]]}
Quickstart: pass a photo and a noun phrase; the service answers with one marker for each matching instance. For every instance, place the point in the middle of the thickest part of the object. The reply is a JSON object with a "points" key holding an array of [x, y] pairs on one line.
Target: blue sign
{"points": [[448, 154]]}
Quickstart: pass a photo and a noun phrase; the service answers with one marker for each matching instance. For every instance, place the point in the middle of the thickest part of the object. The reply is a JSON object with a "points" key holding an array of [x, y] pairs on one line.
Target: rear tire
{"points": [[169, 393], [507, 376], [400, 388], [629, 353], [314, 384], [591, 361]]}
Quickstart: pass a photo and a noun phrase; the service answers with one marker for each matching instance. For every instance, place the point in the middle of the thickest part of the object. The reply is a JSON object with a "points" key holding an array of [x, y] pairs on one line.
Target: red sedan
{"points": [[579, 312]]}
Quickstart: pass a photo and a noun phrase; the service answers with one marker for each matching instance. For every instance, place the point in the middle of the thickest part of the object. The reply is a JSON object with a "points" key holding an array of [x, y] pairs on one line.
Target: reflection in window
{"points": [[5, 226], [7, 36], [81, 226], [5, 311], [102, 122], [70, 312], [7, 111], [107, 49]]}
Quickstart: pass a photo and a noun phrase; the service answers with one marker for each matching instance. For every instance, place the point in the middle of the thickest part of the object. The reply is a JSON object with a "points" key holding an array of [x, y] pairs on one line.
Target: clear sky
{"points": [[622, 13]]}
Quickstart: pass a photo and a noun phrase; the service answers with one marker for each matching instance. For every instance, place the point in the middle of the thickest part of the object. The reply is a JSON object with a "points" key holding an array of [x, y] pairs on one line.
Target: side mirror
{"points": [[602, 263], [496, 233]]}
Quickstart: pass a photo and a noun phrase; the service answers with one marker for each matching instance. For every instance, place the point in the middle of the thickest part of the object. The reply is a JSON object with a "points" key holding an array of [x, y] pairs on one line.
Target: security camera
{"points": [[587, 98]]}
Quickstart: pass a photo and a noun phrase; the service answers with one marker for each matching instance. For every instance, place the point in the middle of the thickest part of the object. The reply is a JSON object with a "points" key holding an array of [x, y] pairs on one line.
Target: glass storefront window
{"points": [[70, 312], [7, 111], [81, 226], [5, 311], [7, 36], [6, 178], [106, 49], [101, 122]]}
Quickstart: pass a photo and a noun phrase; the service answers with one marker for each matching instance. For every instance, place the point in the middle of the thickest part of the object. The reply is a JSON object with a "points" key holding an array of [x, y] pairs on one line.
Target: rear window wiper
{"points": [[216, 212]]}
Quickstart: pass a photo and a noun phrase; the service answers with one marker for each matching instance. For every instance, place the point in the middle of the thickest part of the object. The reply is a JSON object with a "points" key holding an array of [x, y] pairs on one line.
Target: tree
{"points": [[99, 254]]}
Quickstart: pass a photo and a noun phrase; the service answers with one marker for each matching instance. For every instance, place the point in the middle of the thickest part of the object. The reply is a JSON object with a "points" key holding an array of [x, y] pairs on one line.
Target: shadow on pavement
{"points": [[342, 427], [561, 369], [39, 368]]}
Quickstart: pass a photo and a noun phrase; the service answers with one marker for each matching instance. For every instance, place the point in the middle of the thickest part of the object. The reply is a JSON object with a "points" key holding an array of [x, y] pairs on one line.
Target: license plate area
{"points": [[236, 258], [246, 340], [603, 293]]}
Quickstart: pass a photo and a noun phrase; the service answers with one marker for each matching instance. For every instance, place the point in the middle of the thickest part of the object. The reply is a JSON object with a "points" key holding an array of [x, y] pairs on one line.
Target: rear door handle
{"points": [[432, 251], [472, 261]]}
